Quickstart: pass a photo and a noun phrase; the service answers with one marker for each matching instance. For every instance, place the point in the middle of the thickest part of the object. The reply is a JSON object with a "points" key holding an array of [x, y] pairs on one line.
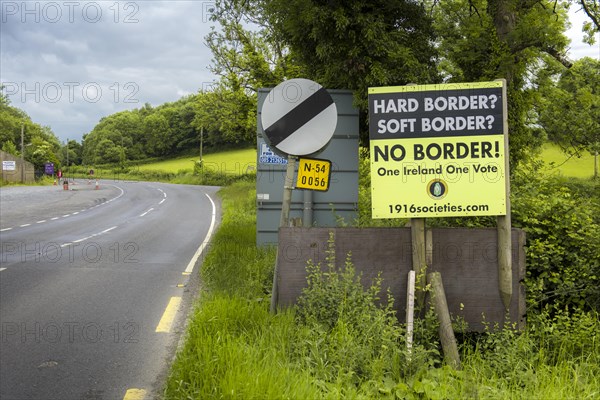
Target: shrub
{"points": [[563, 250], [349, 338]]}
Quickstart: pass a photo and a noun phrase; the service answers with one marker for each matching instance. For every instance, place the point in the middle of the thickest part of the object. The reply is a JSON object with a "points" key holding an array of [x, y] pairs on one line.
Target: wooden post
{"points": [[428, 248], [505, 260], [441, 309], [201, 143], [288, 186], [504, 222], [410, 310], [417, 230]]}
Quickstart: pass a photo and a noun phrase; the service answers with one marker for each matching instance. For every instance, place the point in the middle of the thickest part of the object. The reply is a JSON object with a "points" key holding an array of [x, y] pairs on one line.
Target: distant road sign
{"points": [[9, 165], [49, 168], [298, 117], [313, 174], [267, 156]]}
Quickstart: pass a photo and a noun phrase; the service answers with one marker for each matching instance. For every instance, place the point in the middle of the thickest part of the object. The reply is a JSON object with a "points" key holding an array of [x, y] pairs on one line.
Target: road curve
{"points": [[93, 284]]}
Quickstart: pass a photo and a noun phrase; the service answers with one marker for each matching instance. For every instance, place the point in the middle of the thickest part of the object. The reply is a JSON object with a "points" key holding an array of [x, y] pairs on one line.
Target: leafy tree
{"points": [[10, 147], [226, 116], [108, 152], [569, 111], [592, 10], [40, 152], [75, 151], [486, 40], [157, 130], [356, 44], [124, 128], [41, 143], [248, 51], [248, 54]]}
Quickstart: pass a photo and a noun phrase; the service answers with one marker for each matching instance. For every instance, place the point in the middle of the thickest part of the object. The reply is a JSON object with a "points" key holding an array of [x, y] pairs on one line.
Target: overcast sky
{"points": [[69, 63]]}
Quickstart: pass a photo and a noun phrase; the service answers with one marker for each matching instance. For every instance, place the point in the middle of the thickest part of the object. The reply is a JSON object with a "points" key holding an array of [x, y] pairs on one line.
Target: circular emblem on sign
{"points": [[437, 189], [298, 117]]}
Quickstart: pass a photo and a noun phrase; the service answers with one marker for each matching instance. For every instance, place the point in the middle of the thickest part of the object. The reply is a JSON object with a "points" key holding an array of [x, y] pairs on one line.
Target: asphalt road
{"points": [[95, 285]]}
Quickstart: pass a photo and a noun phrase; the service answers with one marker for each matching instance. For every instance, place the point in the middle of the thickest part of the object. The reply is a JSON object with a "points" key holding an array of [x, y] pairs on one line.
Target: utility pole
{"points": [[67, 176], [201, 142], [22, 153]]}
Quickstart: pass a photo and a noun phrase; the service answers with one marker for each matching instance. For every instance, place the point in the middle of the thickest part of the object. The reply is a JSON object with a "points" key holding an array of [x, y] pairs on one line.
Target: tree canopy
{"points": [[355, 45], [41, 145], [569, 108]]}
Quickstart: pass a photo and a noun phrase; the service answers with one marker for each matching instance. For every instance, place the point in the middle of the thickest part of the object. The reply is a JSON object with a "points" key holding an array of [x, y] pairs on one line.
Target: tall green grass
{"points": [[234, 347]]}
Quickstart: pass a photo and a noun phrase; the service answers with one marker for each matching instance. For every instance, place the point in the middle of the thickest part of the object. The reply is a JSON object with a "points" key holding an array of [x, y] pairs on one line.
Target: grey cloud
{"points": [[71, 71]]}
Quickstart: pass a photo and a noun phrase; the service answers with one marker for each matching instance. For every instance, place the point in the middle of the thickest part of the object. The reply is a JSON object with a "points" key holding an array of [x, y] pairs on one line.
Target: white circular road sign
{"points": [[298, 117]]}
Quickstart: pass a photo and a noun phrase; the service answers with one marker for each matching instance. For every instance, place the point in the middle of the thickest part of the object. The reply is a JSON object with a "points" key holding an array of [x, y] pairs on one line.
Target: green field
{"points": [[229, 161], [558, 162], [237, 161]]}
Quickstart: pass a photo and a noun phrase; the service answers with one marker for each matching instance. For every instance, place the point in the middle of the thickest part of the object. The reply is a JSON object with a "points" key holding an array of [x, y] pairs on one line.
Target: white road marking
{"points": [[142, 214], [75, 213], [91, 236], [2, 269], [162, 201], [108, 230], [66, 244], [192, 262]]}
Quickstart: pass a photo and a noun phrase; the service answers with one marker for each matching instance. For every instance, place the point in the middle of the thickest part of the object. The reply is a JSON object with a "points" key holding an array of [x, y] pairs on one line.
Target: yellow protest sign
{"points": [[438, 150]]}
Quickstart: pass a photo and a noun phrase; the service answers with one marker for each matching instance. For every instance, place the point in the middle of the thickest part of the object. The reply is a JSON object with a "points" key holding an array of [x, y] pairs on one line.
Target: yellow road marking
{"points": [[135, 394], [169, 315]]}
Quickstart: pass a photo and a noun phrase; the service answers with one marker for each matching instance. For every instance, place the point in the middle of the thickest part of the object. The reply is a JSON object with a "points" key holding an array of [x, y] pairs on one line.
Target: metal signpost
{"points": [[299, 118]]}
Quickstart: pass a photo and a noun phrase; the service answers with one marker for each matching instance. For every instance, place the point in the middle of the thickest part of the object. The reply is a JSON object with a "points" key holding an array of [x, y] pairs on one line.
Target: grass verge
{"points": [[236, 349]]}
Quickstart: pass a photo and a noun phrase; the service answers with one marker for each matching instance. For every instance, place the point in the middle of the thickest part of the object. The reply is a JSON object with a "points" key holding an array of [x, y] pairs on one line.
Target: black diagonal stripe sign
{"points": [[298, 116]]}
